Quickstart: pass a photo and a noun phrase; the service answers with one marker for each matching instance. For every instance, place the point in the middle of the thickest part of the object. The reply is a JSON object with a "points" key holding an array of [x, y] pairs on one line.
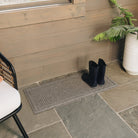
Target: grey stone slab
{"points": [[91, 117], [8, 129], [60, 90], [131, 117], [55, 131]]}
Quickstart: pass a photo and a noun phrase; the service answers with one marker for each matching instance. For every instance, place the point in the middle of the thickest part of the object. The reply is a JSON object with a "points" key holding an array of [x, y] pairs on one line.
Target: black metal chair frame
{"points": [[14, 113]]}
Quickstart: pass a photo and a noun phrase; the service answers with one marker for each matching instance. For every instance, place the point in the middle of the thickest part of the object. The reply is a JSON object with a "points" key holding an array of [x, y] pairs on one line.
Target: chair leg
{"points": [[20, 126]]}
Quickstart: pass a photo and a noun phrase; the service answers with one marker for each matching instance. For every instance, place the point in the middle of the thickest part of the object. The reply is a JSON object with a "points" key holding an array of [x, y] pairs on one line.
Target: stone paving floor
{"points": [[110, 114]]}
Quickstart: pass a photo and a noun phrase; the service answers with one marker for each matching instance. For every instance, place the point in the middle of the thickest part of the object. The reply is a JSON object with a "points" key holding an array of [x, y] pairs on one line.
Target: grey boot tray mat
{"points": [[52, 93]]}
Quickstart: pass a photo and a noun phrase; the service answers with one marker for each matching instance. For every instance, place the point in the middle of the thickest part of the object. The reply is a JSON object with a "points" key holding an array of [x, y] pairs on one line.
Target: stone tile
{"points": [[30, 121], [117, 74], [8, 129], [131, 117], [91, 117], [55, 131], [123, 97]]}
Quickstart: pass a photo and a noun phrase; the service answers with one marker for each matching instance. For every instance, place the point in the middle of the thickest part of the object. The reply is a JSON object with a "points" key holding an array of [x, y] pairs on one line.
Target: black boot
{"points": [[93, 73], [101, 74], [85, 77], [91, 77]]}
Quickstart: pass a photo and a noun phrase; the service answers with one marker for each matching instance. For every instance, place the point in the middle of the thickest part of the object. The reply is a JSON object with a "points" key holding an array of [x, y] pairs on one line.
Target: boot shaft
{"points": [[93, 73], [101, 73]]}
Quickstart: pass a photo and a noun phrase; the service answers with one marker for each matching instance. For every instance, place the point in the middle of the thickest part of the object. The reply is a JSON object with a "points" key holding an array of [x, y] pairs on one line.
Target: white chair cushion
{"points": [[10, 99]]}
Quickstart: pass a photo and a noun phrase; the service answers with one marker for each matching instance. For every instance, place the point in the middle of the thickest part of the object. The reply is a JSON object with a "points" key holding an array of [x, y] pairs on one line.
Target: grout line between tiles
{"points": [[120, 85], [122, 109], [106, 102], [129, 82], [127, 108], [63, 123], [44, 127], [118, 114], [127, 124]]}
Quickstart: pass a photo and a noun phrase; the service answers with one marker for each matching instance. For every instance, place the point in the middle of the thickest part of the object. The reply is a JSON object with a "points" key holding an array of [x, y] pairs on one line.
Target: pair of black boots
{"points": [[96, 73]]}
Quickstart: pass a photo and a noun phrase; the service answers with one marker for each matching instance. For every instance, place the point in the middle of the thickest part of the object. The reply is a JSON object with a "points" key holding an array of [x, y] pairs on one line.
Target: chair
{"points": [[10, 101]]}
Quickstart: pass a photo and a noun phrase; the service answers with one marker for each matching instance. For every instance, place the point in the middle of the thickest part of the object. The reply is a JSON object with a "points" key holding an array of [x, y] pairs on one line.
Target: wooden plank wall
{"points": [[47, 50]]}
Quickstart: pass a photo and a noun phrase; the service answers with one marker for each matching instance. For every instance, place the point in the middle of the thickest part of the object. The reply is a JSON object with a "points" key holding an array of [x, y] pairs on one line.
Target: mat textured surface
{"points": [[61, 90], [91, 117]]}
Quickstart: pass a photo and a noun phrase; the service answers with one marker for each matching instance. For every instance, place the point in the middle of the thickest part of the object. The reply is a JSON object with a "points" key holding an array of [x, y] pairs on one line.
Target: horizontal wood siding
{"points": [[104, 4], [33, 15], [51, 49]]}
